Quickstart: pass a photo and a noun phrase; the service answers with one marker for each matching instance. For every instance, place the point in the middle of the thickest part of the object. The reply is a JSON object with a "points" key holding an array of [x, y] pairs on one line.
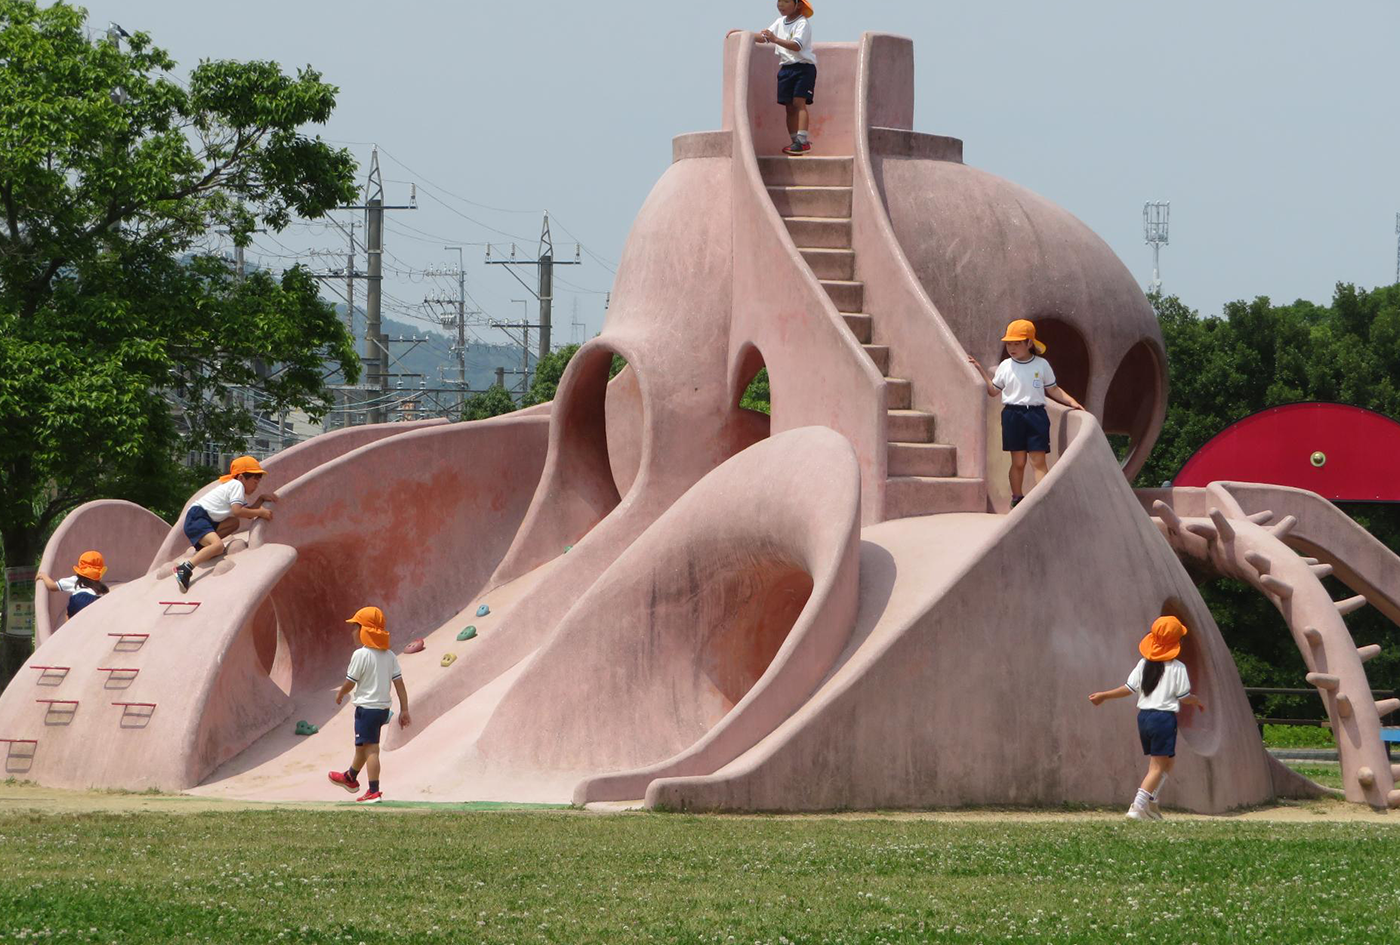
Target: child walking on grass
{"points": [[372, 668], [85, 586], [1162, 686], [791, 33], [219, 513], [1024, 380]]}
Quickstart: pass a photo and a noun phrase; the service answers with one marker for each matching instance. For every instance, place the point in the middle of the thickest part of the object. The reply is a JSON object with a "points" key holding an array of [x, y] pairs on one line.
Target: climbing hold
{"points": [[1203, 529], [1345, 607], [467, 633], [1320, 570], [306, 728], [1395, 772], [1318, 459], [1167, 514], [1274, 585], [448, 659], [415, 645], [1259, 562], [1226, 530], [1310, 560], [1393, 798], [483, 610], [1323, 681], [1261, 518], [1387, 706], [1365, 776], [1344, 706], [1312, 635], [1368, 652], [568, 548], [1284, 526]]}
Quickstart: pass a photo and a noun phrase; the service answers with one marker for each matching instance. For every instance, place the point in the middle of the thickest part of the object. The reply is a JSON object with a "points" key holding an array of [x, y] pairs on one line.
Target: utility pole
{"points": [[1397, 248], [544, 293]]}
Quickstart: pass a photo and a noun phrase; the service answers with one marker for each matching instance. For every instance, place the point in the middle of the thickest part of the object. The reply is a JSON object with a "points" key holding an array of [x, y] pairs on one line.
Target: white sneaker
{"points": [[1154, 811], [1138, 813]]}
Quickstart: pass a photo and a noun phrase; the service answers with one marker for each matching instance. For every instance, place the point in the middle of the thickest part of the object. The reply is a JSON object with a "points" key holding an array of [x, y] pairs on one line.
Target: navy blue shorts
{"points": [[368, 722], [78, 601], [797, 80], [197, 525], [1157, 729], [1025, 429]]}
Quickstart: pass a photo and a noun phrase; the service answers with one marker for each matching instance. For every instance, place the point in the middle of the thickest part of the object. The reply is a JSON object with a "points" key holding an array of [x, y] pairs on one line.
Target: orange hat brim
{"points": [[87, 572], [1151, 651], [807, 10]]}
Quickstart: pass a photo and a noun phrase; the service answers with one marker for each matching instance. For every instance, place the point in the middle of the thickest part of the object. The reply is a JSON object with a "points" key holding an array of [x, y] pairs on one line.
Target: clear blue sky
{"points": [[1269, 124]]}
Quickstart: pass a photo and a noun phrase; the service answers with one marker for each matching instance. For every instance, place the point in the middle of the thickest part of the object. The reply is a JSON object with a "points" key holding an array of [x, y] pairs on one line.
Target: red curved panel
{"points": [[1340, 452]]}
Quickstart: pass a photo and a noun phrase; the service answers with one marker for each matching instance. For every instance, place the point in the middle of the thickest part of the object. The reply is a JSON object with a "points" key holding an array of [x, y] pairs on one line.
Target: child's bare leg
{"points": [[210, 546], [372, 762], [1041, 468], [1158, 767], [361, 753], [800, 107], [793, 117], [1017, 474]]}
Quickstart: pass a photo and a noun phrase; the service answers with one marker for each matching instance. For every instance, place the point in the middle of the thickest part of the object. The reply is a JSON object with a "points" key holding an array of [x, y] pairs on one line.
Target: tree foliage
{"points": [[118, 330], [492, 402]]}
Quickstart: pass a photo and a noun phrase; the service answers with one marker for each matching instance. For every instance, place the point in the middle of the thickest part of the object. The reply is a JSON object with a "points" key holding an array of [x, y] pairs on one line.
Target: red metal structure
{"points": [[1341, 452]]}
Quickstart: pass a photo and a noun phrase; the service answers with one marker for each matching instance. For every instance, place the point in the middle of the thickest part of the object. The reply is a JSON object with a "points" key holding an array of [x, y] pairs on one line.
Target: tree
{"points": [[548, 370], [114, 318], [492, 402]]}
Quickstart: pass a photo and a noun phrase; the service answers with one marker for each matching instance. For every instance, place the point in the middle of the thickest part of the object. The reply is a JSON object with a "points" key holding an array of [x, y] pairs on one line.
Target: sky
{"points": [[1269, 124]]}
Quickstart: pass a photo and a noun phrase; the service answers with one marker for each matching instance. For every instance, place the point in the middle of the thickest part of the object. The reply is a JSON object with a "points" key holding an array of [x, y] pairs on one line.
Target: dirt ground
{"points": [[22, 797]]}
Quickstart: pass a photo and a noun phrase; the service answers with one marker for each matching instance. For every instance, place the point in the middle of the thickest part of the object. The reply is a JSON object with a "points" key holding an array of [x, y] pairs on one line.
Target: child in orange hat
{"points": [[372, 668], [1162, 686], [791, 33], [85, 586], [1024, 380], [219, 512]]}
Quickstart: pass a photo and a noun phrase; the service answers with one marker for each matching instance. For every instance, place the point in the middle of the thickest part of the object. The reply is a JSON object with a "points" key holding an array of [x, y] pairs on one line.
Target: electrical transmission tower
{"points": [[1155, 217], [459, 321], [545, 263]]}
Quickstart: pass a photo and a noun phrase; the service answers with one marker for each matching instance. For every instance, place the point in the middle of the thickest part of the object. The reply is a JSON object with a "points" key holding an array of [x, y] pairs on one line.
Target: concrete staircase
{"points": [[813, 196]]}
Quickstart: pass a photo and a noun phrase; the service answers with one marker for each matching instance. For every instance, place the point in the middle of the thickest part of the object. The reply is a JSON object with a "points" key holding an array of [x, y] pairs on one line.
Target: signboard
{"points": [[19, 601]]}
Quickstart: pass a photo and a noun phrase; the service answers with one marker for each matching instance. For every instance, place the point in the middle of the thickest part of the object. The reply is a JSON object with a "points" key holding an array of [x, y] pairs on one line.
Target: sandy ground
{"points": [[17, 797]]}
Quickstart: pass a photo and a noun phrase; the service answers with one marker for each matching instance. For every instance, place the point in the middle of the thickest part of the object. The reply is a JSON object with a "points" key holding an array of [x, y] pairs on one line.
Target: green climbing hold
{"points": [[483, 610], [306, 728], [467, 633], [568, 548]]}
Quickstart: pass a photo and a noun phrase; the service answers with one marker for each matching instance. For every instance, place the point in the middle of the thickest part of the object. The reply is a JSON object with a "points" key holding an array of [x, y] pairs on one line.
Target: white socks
{"points": [[1157, 793], [1142, 799]]}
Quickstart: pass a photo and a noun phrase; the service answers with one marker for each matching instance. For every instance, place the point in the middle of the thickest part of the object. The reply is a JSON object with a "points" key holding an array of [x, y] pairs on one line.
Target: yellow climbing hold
{"points": [[448, 659]]}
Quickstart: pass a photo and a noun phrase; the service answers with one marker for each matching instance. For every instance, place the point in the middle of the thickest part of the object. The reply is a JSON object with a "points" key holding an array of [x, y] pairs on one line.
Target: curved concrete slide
{"points": [[716, 624], [126, 534], [966, 679], [1238, 537], [281, 469]]}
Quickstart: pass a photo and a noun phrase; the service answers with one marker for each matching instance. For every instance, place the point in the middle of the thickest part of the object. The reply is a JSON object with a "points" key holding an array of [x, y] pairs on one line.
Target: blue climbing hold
{"points": [[483, 610]]}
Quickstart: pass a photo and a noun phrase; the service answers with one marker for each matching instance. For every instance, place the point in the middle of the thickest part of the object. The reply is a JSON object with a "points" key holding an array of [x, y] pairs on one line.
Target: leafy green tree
{"points": [[548, 370], [118, 332], [492, 402], [756, 395]]}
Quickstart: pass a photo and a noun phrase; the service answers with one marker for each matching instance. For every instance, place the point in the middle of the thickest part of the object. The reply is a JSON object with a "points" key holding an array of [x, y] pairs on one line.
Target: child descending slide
{"points": [[1163, 687], [1024, 380], [85, 586], [219, 512], [372, 668], [791, 33]]}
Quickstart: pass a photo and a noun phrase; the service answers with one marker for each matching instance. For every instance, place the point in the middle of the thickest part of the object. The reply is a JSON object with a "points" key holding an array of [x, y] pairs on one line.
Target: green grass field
{"points": [[377, 876]]}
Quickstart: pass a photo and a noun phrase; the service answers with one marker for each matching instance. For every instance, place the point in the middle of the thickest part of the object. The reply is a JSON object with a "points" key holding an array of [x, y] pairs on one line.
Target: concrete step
{"points": [[783, 171], [880, 354], [899, 393], [937, 460], [820, 232], [927, 495], [847, 296], [811, 201], [909, 426], [831, 263], [859, 324]]}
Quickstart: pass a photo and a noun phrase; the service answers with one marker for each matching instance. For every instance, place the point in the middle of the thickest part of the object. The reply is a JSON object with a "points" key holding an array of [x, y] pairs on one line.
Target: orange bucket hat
{"points": [[372, 632], [90, 565], [1023, 329], [241, 466], [806, 9], [1164, 642]]}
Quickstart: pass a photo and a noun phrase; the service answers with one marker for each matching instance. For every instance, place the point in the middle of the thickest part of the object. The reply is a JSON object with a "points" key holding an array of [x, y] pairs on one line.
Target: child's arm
{"points": [[47, 581], [1099, 698], [269, 497], [1193, 700], [252, 511], [404, 720], [345, 687], [991, 388], [771, 37], [1060, 396]]}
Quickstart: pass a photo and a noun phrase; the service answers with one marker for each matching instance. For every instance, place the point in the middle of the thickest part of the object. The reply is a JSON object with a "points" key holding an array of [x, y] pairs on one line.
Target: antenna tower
{"points": [[1156, 214]]}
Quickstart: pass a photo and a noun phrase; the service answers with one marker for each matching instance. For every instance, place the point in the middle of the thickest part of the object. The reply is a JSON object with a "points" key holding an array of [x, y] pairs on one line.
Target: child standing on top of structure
{"points": [[372, 668], [791, 33], [1024, 380], [85, 586], [219, 512], [1163, 686]]}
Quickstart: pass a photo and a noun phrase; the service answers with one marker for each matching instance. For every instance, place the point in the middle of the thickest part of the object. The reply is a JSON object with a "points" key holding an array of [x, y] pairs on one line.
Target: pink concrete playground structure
{"points": [[697, 606]]}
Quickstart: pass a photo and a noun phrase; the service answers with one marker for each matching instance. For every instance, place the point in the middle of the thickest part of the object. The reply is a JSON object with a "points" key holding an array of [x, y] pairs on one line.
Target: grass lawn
{"points": [[383, 876]]}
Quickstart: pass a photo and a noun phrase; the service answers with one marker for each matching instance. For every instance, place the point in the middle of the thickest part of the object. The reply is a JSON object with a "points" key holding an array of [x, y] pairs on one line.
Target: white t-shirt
{"points": [[72, 585], [220, 500], [796, 31], [1174, 686], [1023, 383], [373, 672]]}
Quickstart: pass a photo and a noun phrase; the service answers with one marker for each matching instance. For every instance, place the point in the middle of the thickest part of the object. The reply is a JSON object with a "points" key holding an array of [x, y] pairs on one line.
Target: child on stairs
{"points": [[797, 72]]}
